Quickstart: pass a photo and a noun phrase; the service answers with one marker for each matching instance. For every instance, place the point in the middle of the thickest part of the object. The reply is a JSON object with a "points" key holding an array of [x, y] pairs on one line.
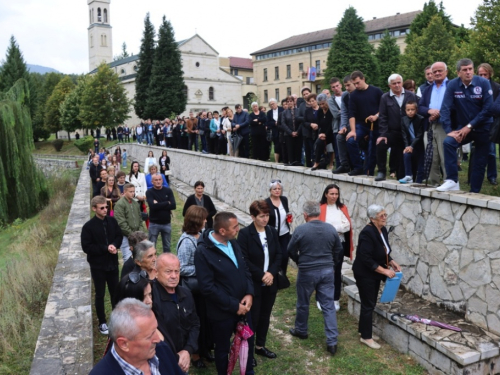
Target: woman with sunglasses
{"points": [[372, 265], [334, 212], [280, 218]]}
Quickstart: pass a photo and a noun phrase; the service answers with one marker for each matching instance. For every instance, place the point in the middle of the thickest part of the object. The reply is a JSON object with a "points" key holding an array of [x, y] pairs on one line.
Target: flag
{"points": [[311, 74]]}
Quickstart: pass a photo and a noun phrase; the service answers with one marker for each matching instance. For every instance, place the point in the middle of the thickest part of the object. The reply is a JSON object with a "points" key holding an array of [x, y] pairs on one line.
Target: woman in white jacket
{"points": [[138, 179], [150, 160], [227, 125]]}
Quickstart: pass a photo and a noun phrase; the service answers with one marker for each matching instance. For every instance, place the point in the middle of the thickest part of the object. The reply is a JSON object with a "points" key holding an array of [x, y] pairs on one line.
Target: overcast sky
{"points": [[53, 33]]}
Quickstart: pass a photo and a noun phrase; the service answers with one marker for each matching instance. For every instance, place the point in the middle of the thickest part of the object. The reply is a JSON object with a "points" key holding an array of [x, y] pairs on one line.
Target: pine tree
{"points": [[166, 94], [484, 46], [23, 188], [53, 110], [435, 44], [351, 50], [388, 55], [104, 101], [13, 68], [70, 108], [422, 20], [144, 67]]}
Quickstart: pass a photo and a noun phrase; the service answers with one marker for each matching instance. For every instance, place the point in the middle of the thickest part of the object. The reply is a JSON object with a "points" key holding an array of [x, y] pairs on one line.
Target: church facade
{"points": [[208, 86]]}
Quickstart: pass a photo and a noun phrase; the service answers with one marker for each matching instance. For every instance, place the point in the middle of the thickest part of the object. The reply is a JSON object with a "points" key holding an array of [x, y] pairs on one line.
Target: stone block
{"points": [[396, 337], [458, 198]]}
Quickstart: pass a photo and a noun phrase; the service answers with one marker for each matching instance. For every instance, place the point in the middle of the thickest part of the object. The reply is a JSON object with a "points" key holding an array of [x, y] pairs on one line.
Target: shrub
{"points": [[58, 144], [84, 143]]}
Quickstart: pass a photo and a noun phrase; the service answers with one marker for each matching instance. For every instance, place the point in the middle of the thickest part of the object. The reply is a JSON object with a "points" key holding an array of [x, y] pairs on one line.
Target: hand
{"points": [[268, 278], [154, 201], [343, 131], [294, 134], [407, 150], [98, 179], [184, 360], [396, 267], [314, 126], [112, 249], [245, 305], [389, 273], [140, 198], [372, 118], [455, 134], [380, 139], [322, 136], [351, 134], [255, 120], [434, 114], [236, 127]]}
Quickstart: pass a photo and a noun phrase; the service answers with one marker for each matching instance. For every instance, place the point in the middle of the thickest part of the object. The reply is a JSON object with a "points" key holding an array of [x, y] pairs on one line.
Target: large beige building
{"points": [[281, 69]]}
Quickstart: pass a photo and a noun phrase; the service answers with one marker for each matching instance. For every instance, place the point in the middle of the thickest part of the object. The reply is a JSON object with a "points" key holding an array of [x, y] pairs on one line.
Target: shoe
{"points": [[340, 169], [337, 305], [319, 305], [332, 349], [265, 352], [406, 180], [199, 363], [204, 152], [314, 168], [301, 336], [254, 362], [210, 357], [374, 336], [380, 176], [356, 172], [493, 181], [103, 328], [449, 185], [372, 344]]}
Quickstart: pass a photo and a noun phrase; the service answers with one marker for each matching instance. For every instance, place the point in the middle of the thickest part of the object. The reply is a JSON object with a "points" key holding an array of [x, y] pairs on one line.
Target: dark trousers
{"points": [[294, 148], [245, 147], [261, 313], [336, 150], [338, 273], [94, 189], [100, 279], [222, 145], [319, 150], [213, 145], [204, 140], [368, 292], [222, 332], [193, 140], [414, 162], [284, 240], [205, 340], [308, 150], [260, 147], [354, 147], [395, 142]]}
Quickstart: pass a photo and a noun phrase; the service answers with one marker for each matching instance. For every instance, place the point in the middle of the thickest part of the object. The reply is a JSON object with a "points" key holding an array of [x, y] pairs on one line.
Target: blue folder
{"points": [[391, 288]]}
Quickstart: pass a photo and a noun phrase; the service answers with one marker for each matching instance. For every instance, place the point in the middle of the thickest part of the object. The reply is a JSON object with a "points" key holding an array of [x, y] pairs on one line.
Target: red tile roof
{"points": [[240, 62]]}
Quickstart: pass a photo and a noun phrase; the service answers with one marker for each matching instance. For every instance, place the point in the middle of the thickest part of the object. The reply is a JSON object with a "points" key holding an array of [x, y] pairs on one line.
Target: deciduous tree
{"points": [[70, 108], [53, 110]]}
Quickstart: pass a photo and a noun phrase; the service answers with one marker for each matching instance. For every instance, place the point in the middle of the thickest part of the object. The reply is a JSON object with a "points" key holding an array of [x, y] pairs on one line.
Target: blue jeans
{"points": [[149, 138], [125, 249], [166, 232], [354, 149], [321, 281], [492, 162], [482, 142], [139, 138]]}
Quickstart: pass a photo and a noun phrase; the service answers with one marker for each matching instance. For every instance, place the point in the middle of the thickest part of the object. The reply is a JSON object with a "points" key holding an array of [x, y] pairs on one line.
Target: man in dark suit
{"points": [[273, 119], [136, 344]]}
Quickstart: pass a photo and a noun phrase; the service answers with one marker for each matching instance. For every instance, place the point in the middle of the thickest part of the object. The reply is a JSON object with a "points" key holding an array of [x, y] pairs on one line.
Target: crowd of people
{"points": [[352, 131]]}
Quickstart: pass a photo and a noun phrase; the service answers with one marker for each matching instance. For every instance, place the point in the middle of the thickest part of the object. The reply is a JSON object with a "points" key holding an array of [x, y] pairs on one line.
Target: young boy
{"points": [[124, 158], [413, 131]]}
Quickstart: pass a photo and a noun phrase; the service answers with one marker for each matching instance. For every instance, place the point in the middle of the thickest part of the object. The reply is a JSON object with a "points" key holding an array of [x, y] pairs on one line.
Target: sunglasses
{"points": [[135, 277], [102, 208], [275, 180]]}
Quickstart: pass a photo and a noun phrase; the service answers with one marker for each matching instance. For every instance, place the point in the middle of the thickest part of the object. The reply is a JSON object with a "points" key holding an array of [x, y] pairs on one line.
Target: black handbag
{"points": [[283, 281], [190, 282]]}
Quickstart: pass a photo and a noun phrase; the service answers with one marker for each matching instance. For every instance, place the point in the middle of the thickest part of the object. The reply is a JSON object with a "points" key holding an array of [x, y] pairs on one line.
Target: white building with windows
{"points": [[208, 86]]}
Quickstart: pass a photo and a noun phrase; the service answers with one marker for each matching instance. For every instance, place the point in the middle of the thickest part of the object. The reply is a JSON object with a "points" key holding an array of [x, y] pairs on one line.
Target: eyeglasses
{"points": [[102, 208], [382, 215], [135, 277]]}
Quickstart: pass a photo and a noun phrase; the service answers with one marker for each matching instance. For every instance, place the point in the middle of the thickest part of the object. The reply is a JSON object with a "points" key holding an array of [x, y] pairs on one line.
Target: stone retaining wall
{"points": [[447, 243], [51, 166], [65, 342]]}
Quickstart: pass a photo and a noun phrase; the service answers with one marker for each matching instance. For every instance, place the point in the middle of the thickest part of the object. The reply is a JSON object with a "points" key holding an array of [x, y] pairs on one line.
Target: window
{"points": [[197, 64], [135, 68], [99, 18], [288, 91], [370, 37], [185, 91], [276, 73], [266, 98], [91, 41], [234, 71], [288, 71], [396, 33], [301, 67], [318, 89], [90, 16], [318, 66], [265, 74], [277, 94], [122, 71], [211, 93], [105, 16]]}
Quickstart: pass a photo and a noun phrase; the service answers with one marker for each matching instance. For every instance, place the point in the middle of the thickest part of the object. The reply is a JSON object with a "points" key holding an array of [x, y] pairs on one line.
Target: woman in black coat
{"points": [[261, 250], [203, 200], [260, 145], [291, 126], [325, 130], [372, 265]]}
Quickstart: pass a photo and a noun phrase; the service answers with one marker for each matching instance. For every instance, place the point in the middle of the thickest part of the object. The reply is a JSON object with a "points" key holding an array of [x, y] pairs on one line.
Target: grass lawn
{"points": [[302, 356], [45, 147]]}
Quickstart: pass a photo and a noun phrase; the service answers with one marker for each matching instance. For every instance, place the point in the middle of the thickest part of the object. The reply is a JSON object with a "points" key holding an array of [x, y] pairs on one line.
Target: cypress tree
{"points": [[422, 20], [388, 55], [104, 101], [23, 188], [53, 111], [351, 50], [13, 68], [166, 96], [144, 68]]}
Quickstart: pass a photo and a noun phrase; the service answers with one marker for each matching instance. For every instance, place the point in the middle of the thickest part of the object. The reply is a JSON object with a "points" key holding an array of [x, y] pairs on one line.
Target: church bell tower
{"points": [[100, 33]]}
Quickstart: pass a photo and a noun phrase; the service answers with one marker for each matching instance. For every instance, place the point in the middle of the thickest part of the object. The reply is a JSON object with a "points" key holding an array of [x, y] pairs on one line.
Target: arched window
{"points": [[105, 15], [91, 41], [105, 44], [185, 91], [99, 18], [90, 16], [210, 93], [135, 68], [122, 71]]}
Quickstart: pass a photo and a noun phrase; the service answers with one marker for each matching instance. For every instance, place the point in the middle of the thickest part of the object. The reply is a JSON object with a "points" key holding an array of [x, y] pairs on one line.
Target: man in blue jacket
{"points": [[471, 97], [242, 123]]}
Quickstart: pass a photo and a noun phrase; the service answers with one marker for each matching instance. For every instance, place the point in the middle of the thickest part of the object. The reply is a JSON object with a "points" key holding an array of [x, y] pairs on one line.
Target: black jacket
{"points": [[94, 171], [207, 203], [289, 125], [96, 236], [325, 120], [310, 118], [251, 246], [179, 320], [418, 128], [257, 127], [160, 213], [274, 125], [222, 283], [371, 253], [274, 213], [390, 112]]}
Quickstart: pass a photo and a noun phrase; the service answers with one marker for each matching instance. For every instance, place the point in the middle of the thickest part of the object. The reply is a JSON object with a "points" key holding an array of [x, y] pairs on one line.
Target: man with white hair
{"points": [[273, 119], [137, 348], [391, 110]]}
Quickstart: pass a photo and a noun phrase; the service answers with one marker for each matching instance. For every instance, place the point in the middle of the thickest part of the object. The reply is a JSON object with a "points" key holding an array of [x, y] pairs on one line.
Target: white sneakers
{"points": [[449, 185], [103, 328], [406, 180]]}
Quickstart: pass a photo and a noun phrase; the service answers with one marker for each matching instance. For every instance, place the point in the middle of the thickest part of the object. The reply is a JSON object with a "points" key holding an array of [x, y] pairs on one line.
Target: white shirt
{"points": [[338, 99], [263, 240], [385, 243], [338, 220], [283, 226], [275, 114]]}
